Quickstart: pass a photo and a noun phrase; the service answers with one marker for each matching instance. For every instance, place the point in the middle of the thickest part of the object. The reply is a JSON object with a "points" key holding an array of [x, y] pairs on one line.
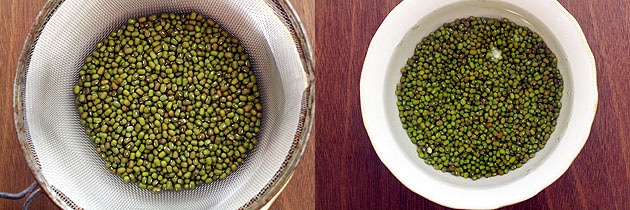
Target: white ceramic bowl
{"points": [[395, 41]]}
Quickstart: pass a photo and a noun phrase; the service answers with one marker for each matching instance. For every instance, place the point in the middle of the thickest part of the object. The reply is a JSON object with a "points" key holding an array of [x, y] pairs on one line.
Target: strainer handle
{"points": [[32, 192]]}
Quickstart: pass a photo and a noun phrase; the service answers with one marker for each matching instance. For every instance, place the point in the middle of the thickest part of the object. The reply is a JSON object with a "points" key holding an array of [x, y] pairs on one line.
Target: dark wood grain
{"points": [[349, 175], [17, 17]]}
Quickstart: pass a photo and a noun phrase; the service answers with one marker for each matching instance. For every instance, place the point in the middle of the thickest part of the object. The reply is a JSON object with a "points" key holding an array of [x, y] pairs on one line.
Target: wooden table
{"points": [[349, 175], [17, 17]]}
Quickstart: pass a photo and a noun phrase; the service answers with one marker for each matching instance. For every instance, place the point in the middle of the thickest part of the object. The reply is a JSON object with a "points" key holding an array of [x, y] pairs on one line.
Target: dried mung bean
{"points": [[155, 109], [479, 97]]}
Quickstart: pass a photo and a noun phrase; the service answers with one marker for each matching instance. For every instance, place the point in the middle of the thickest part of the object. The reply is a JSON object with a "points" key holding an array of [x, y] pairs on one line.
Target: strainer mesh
{"points": [[69, 164]]}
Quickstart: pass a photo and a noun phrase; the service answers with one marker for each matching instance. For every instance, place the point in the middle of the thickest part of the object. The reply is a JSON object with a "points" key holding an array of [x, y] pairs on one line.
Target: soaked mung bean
{"points": [[480, 96]]}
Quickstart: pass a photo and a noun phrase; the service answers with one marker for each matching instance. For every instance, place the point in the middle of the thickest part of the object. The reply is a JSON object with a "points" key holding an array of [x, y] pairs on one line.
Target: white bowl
{"points": [[395, 41]]}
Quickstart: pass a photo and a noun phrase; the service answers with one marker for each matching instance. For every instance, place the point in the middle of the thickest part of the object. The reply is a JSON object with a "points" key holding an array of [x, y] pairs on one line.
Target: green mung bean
{"points": [[150, 101], [478, 96]]}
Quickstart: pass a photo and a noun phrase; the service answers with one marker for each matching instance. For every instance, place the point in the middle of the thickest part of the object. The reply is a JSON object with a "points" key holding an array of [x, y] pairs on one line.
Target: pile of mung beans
{"points": [[170, 101], [480, 96]]}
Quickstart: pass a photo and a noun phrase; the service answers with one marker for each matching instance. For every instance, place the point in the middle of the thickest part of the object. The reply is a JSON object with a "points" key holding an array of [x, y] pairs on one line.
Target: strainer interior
{"points": [[65, 161]]}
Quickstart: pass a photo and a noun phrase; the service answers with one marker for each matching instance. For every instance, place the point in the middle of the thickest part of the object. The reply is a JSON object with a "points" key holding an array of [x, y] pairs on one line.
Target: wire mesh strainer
{"points": [[63, 158]]}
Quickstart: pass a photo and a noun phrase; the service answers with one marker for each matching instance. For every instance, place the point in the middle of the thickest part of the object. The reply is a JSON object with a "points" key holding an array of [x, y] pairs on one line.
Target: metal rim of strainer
{"points": [[289, 18]]}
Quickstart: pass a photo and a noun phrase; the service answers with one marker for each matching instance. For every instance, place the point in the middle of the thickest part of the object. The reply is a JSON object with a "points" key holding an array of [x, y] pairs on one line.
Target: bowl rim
{"points": [[276, 184], [384, 42]]}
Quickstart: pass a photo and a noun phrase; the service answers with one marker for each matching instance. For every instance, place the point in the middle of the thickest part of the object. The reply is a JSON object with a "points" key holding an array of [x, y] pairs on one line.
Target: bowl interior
{"points": [[431, 22], [394, 43], [69, 165]]}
